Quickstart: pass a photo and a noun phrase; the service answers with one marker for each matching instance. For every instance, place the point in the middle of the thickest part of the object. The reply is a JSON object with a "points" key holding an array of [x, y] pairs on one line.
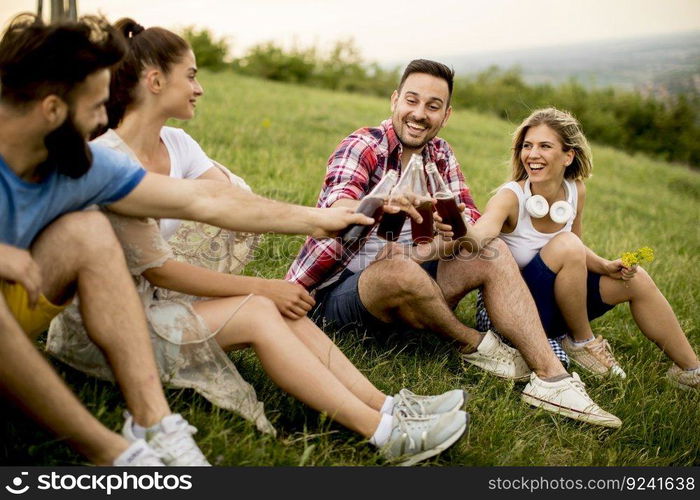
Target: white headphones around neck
{"points": [[536, 205]]}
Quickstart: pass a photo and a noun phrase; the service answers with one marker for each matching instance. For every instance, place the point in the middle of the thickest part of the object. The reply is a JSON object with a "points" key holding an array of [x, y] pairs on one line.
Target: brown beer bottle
{"points": [[423, 232], [391, 225], [446, 202], [371, 206]]}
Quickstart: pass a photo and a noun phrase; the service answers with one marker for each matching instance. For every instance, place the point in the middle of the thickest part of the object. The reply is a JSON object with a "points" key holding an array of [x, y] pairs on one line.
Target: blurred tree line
{"points": [[668, 129]]}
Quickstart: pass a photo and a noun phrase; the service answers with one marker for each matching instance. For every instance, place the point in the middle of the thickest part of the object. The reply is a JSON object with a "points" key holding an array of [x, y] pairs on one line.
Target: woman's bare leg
{"points": [[288, 362], [334, 359], [653, 315]]}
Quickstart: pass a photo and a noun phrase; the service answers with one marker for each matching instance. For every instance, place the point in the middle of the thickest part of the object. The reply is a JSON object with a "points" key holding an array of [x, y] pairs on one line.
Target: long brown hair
{"points": [[153, 46]]}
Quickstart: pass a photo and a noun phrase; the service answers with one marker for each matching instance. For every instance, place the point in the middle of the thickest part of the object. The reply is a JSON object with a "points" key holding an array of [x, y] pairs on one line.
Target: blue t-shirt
{"points": [[26, 208]]}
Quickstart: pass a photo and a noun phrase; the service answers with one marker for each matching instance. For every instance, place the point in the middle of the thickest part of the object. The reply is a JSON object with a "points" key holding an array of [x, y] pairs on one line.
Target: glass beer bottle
{"points": [[371, 206], [446, 202], [425, 231], [392, 224]]}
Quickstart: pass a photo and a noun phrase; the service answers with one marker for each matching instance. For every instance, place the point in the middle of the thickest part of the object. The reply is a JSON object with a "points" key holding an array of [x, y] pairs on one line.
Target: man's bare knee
{"points": [[80, 234], [88, 228], [397, 280], [73, 243], [495, 256]]}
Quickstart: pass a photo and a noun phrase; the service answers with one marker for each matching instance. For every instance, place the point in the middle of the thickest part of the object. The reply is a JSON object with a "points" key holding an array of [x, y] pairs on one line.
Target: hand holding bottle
{"points": [[371, 205], [446, 203], [402, 202]]}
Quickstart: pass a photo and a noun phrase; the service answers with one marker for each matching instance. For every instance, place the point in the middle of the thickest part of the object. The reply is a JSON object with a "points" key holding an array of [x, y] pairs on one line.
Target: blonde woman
{"points": [[539, 214]]}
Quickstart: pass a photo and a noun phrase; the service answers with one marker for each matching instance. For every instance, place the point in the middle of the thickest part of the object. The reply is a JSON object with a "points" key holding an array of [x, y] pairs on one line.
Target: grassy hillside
{"points": [[278, 138]]}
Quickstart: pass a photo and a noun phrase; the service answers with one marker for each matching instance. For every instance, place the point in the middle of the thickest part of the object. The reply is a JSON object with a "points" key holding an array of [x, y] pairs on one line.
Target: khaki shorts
{"points": [[33, 321]]}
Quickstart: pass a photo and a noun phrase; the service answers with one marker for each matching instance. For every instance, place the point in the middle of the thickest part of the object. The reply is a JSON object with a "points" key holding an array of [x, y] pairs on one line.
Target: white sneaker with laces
{"points": [[416, 405], [595, 356], [139, 454], [501, 360], [414, 439], [567, 397], [172, 441]]}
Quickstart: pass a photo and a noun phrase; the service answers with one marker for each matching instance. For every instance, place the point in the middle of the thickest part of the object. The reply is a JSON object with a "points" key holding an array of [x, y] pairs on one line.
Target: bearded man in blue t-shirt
{"points": [[54, 82]]}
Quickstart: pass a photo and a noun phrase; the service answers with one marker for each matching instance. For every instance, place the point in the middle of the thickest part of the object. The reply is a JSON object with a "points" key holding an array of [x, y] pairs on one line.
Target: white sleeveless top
{"points": [[525, 241]]}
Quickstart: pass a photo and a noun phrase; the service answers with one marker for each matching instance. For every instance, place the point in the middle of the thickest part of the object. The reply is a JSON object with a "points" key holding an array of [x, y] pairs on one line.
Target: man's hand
{"points": [[330, 221], [444, 231], [406, 203], [292, 300], [18, 266]]}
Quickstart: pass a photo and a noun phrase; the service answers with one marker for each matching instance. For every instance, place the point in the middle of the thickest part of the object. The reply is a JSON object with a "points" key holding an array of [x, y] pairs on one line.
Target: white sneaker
{"points": [[498, 359], [418, 406], [567, 397], [172, 441], [139, 454], [684, 379], [414, 439]]}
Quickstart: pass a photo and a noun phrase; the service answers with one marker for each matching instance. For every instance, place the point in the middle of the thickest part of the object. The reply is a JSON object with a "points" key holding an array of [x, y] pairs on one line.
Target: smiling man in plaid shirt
{"points": [[394, 285]]}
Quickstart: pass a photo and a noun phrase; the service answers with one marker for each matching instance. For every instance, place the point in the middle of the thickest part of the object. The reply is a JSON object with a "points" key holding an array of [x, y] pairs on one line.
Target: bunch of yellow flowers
{"points": [[644, 254]]}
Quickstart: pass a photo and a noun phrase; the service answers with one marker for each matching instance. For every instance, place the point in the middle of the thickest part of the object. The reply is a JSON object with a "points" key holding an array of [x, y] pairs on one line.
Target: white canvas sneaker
{"points": [[501, 360], [416, 405], [172, 441], [139, 454], [567, 397], [414, 439]]}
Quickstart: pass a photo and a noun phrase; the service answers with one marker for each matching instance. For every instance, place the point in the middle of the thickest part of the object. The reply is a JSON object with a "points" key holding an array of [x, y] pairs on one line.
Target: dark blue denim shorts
{"points": [[339, 304], [540, 281]]}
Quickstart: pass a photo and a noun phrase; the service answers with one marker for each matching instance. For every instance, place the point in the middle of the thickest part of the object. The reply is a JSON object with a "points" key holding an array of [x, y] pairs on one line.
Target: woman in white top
{"points": [[218, 312], [539, 216]]}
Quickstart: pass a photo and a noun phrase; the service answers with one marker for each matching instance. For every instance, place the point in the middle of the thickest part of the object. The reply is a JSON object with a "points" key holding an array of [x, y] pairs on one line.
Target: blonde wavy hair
{"points": [[570, 134]]}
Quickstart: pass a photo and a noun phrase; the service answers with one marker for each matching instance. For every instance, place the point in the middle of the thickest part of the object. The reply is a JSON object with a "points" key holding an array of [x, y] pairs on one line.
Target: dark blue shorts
{"points": [[339, 304], [540, 281]]}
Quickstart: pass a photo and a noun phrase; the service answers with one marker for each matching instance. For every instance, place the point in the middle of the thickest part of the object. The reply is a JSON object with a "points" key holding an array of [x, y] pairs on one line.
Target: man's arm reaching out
{"points": [[226, 206]]}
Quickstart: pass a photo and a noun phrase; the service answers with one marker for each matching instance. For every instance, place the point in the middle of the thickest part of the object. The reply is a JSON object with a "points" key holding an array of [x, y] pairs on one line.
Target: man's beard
{"points": [[69, 153], [402, 134]]}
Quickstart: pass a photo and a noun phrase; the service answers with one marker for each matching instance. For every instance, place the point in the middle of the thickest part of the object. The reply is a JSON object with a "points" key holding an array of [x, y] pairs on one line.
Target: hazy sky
{"points": [[403, 29]]}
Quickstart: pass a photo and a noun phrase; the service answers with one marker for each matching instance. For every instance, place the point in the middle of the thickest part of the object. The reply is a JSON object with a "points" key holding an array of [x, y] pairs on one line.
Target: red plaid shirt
{"points": [[357, 164]]}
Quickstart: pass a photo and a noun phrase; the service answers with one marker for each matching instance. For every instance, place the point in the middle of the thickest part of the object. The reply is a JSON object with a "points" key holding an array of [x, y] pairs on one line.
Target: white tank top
{"points": [[525, 241]]}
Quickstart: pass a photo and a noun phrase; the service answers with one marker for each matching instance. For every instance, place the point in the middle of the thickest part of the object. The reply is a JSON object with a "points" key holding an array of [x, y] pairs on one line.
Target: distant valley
{"points": [[668, 64]]}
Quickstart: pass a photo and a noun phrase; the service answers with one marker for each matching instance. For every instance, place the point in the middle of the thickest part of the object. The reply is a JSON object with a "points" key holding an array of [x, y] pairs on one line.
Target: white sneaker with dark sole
{"points": [[567, 397], [414, 439]]}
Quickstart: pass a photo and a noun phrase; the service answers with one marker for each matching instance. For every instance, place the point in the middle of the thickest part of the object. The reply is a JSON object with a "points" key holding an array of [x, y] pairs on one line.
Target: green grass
{"points": [[278, 137]]}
